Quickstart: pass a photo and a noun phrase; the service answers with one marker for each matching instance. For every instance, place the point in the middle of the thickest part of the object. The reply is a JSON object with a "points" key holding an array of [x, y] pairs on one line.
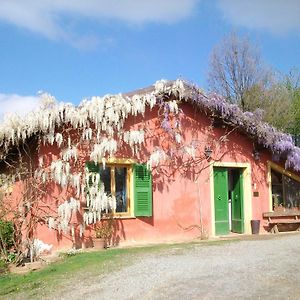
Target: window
{"points": [[285, 190], [131, 184], [116, 181]]}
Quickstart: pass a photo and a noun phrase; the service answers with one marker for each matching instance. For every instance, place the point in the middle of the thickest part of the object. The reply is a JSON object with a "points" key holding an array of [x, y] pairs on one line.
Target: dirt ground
{"points": [[261, 268]]}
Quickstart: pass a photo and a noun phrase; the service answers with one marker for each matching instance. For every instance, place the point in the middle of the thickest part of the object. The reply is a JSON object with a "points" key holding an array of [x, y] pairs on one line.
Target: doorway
{"points": [[228, 200]]}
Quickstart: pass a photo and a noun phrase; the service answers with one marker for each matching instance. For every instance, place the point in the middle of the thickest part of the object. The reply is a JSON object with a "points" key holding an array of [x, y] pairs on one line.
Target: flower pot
{"points": [[99, 243], [255, 224]]}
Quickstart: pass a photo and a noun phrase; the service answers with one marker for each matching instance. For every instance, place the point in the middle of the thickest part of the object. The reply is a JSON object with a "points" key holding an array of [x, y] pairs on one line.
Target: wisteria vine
{"points": [[100, 121]]}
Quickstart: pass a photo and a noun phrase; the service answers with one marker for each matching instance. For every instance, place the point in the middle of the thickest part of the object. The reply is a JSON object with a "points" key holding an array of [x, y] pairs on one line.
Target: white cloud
{"points": [[12, 103], [275, 16], [51, 18]]}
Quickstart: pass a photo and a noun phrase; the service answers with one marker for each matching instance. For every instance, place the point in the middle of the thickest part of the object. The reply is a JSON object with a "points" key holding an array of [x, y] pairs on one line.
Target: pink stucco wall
{"points": [[180, 195]]}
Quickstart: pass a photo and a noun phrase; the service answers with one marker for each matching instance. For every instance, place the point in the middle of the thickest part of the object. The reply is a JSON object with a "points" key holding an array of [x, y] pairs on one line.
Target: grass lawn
{"points": [[81, 266], [56, 275]]}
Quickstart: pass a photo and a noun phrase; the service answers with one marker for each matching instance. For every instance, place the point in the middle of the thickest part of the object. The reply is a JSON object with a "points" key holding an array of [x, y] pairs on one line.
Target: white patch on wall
{"points": [[40, 247]]}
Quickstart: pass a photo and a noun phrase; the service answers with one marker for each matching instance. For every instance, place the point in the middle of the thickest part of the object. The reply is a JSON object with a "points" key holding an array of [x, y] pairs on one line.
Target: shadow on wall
{"points": [[118, 233]]}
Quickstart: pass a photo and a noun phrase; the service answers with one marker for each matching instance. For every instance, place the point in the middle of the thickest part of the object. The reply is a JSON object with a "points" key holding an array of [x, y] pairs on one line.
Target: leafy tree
{"points": [[274, 103], [6, 237], [235, 68], [292, 83], [236, 71]]}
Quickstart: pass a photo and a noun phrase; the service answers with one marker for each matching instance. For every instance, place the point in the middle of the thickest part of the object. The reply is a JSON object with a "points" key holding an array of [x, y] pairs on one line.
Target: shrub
{"points": [[3, 267], [6, 237]]}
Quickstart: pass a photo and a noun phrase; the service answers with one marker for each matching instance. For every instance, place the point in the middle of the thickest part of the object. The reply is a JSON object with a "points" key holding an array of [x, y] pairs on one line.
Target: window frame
{"points": [[126, 163], [274, 167], [128, 186], [136, 192]]}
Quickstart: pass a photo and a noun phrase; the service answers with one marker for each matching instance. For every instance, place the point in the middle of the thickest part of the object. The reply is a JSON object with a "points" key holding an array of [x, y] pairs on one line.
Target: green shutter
{"points": [[142, 191], [92, 168]]}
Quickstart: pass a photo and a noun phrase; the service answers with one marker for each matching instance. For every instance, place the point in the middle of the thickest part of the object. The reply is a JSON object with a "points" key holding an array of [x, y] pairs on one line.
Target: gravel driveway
{"points": [[264, 268]]}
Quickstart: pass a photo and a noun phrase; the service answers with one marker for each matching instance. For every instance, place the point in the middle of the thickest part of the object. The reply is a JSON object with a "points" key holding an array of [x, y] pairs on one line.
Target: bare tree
{"points": [[235, 67]]}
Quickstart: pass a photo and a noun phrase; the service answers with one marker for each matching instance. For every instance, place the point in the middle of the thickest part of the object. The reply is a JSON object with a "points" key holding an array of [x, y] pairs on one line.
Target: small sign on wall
{"points": [[255, 194]]}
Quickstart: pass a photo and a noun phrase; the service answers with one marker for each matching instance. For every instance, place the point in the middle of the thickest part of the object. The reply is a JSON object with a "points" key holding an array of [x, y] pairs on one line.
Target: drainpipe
{"points": [[200, 211]]}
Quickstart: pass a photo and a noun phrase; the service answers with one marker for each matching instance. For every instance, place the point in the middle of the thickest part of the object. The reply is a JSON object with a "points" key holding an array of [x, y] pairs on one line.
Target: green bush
{"points": [[6, 236], [3, 267]]}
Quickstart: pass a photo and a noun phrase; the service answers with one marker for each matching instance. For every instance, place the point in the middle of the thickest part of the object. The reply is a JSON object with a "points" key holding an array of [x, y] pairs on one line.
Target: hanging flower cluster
{"points": [[97, 200], [156, 158], [65, 211], [134, 138]]}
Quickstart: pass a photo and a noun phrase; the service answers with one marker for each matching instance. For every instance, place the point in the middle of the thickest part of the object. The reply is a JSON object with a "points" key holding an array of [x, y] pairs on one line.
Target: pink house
{"points": [[173, 164]]}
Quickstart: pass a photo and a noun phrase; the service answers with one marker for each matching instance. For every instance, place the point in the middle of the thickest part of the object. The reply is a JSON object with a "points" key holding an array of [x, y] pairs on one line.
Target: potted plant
{"points": [[103, 232]]}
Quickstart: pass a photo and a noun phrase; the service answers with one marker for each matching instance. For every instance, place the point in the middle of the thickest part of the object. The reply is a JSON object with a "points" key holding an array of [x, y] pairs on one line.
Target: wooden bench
{"points": [[282, 217]]}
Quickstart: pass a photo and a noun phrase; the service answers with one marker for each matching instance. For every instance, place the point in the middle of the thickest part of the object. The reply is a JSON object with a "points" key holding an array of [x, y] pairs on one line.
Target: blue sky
{"points": [[81, 48]]}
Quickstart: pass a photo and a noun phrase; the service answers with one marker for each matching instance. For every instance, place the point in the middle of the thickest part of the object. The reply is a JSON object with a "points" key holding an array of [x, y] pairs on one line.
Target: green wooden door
{"points": [[221, 201], [237, 209]]}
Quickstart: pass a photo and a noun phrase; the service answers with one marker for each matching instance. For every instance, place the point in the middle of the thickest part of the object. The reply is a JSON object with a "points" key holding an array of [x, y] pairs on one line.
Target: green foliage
{"points": [[296, 112], [3, 267], [6, 236], [12, 257], [279, 102]]}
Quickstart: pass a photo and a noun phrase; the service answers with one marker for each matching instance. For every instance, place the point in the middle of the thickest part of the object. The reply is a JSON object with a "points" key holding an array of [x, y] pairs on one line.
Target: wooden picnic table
{"points": [[276, 218]]}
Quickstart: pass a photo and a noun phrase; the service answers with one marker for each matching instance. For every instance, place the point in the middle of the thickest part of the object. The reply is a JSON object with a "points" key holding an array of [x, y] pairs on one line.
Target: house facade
{"points": [[179, 165]]}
